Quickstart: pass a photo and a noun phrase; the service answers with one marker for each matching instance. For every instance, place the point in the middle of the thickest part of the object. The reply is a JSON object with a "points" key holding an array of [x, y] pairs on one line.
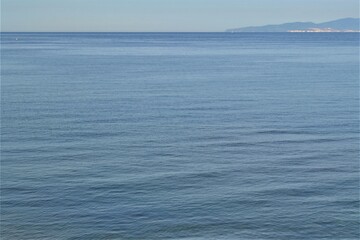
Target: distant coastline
{"points": [[323, 30], [340, 25]]}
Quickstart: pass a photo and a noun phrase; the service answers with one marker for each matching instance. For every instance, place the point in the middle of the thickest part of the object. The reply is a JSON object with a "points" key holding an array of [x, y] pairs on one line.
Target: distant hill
{"points": [[340, 25]]}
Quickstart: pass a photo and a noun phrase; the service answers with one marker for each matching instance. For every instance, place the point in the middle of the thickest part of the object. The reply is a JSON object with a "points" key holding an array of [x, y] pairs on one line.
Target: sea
{"points": [[191, 136]]}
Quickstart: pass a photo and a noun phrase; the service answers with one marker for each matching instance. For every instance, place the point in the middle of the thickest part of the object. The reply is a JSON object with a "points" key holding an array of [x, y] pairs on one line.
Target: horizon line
{"points": [[226, 32]]}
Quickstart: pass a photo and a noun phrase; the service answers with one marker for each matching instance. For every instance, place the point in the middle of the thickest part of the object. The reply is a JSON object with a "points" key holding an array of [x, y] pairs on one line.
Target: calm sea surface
{"points": [[179, 136]]}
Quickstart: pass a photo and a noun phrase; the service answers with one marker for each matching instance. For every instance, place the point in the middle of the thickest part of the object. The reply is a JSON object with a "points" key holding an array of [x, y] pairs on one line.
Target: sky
{"points": [[164, 15]]}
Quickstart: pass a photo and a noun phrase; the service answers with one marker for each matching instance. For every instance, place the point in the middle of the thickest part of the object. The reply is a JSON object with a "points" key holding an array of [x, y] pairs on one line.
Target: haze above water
{"points": [[180, 136]]}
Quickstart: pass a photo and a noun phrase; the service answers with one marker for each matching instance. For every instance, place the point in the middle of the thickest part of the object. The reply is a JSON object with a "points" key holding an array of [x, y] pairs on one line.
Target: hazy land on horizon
{"points": [[339, 25]]}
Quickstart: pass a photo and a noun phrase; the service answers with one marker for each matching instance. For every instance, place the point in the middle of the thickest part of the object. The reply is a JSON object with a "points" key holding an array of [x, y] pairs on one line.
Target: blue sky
{"points": [[165, 15]]}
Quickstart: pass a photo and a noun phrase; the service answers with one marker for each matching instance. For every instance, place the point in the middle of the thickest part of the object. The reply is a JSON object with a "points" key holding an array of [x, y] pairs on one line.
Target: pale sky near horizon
{"points": [[165, 15]]}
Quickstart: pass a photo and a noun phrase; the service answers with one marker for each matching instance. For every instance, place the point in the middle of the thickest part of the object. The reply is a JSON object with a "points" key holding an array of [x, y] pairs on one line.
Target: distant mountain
{"points": [[340, 25]]}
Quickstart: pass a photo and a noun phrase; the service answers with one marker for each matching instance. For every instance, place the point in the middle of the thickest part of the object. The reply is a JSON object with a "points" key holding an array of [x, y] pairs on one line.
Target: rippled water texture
{"points": [[180, 136]]}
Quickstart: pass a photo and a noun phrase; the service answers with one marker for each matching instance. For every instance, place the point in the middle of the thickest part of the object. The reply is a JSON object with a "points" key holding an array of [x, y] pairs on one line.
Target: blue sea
{"points": [[200, 136]]}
